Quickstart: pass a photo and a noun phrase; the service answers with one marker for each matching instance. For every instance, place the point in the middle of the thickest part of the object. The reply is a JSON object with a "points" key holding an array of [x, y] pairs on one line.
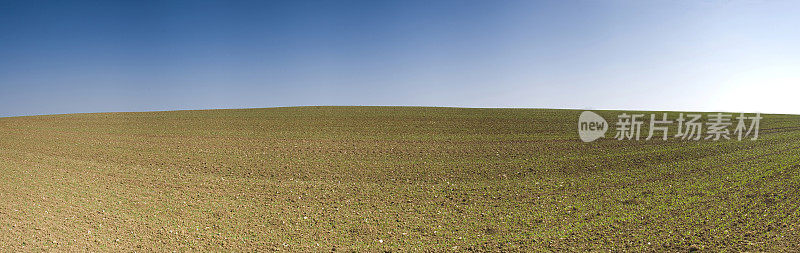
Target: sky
{"points": [[104, 56]]}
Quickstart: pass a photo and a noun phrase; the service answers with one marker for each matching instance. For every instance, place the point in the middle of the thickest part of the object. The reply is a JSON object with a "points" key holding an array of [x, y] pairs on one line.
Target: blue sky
{"points": [[99, 56]]}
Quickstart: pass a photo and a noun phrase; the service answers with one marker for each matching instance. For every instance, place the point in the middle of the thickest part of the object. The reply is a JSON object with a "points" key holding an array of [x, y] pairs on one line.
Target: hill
{"points": [[387, 178]]}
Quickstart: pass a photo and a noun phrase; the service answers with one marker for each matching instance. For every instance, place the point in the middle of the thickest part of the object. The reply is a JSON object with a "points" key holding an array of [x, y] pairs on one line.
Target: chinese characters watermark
{"points": [[690, 126]]}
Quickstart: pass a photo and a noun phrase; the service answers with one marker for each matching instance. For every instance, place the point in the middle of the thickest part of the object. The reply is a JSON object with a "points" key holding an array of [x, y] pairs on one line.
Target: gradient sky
{"points": [[99, 56]]}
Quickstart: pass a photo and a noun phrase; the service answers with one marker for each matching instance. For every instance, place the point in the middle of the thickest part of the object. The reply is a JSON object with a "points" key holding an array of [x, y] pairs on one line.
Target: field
{"points": [[387, 179]]}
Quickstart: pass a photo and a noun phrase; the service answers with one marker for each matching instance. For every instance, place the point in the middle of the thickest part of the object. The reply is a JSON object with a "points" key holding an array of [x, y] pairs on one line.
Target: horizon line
{"points": [[416, 106]]}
